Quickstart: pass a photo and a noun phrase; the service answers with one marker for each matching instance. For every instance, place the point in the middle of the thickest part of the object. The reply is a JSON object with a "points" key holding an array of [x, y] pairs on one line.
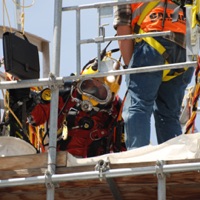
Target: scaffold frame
{"points": [[54, 81]]}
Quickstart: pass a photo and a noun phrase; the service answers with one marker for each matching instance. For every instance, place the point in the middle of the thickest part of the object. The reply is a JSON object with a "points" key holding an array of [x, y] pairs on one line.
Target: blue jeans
{"points": [[148, 94]]}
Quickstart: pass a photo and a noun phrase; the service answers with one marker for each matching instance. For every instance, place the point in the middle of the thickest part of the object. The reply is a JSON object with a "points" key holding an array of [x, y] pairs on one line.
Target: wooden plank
{"points": [[22, 173], [31, 161], [40, 161]]}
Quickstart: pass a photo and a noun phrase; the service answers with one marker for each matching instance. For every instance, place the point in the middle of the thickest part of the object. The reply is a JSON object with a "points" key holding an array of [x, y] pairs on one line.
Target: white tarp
{"points": [[179, 148], [12, 146]]}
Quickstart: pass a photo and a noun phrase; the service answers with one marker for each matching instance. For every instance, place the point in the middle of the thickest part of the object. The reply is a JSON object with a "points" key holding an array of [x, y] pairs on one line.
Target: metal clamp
{"points": [[52, 79], [101, 36], [102, 166], [159, 169], [48, 181]]}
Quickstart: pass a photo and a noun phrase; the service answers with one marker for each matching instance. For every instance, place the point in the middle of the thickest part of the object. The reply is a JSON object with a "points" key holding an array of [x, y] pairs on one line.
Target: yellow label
{"points": [[64, 132]]}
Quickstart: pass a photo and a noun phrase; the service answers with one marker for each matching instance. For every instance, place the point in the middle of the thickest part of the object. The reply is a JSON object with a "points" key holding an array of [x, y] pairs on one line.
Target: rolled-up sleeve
{"points": [[122, 15]]}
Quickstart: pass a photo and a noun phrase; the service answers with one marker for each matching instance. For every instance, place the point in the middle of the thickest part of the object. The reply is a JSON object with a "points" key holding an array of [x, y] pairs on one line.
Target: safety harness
{"points": [[190, 125], [167, 74]]}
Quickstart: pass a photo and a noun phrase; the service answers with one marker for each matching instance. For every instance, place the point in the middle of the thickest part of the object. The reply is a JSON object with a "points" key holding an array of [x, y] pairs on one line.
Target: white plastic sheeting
{"points": [[12, 146], [178, 148]]}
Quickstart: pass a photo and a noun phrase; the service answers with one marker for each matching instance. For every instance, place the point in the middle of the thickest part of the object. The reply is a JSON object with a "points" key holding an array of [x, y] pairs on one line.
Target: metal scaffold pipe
{"points": [[103, 4], [18, 13], [78, 38], [124, 37], [30, 83], [52, 151], [112, 173], [135, 70], [57, 37], [59, 81]]}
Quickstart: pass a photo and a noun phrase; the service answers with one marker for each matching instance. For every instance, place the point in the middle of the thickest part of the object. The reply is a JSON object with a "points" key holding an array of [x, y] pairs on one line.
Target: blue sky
{"points": [[39, 20]]}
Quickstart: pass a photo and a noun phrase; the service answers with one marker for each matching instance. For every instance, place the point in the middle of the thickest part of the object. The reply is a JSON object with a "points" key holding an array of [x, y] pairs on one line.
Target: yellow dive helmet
{"points": [[98, 90]]}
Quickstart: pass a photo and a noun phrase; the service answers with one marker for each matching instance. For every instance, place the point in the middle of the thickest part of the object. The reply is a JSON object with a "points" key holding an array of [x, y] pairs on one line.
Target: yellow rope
{"points": [[6, 103], [23, 6], [5, 10], [190, 125], [22, 18]]}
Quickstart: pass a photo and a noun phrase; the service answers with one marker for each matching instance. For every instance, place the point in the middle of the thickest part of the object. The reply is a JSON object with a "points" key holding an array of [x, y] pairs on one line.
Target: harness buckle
{"points": [[138, 40]]}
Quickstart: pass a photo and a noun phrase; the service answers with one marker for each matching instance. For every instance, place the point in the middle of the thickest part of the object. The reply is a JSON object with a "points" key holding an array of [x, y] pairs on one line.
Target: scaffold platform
{"points": [[125, 177]]}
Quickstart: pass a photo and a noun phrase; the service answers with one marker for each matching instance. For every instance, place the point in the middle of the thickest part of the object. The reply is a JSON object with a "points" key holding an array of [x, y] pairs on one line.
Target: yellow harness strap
{"points": [[154, 43], [146, 10]]}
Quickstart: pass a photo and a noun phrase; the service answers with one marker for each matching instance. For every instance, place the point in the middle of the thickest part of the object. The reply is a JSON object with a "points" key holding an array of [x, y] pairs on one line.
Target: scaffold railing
{"points": [[54, 82]]}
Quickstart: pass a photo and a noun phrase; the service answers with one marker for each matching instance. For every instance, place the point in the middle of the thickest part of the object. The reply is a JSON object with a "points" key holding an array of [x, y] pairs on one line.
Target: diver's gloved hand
{"points": [[38, 106], [66, 90], [39, 112], [39, 115], [33, 100]]}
